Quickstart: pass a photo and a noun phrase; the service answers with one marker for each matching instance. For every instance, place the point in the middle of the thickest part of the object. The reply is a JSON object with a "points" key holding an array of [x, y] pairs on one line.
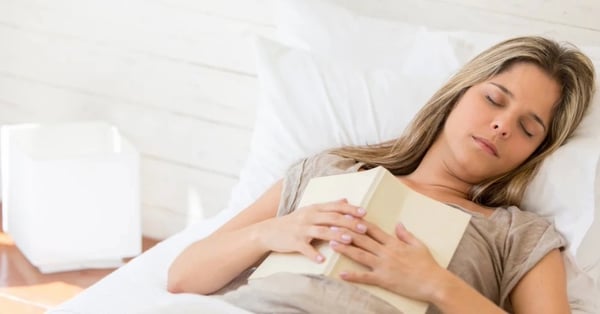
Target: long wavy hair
{"points": [[571, 69]]}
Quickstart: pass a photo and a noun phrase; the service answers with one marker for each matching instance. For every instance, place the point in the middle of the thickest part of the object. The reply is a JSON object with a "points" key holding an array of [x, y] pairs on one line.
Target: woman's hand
{"points": [[400, 263], [296, 231]]}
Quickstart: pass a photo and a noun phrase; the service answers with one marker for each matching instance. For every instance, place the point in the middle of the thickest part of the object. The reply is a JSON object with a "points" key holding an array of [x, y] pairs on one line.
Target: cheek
{"points": [[470, 110], [460, 116], [520, 151]]}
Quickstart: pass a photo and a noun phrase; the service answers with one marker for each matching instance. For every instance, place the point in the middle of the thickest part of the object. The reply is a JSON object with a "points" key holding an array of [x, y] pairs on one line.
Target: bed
{"points": [[357, 59]]}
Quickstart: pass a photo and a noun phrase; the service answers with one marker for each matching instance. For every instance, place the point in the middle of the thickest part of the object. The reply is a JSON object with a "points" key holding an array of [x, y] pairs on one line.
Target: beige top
{"points": [[493, 255]]}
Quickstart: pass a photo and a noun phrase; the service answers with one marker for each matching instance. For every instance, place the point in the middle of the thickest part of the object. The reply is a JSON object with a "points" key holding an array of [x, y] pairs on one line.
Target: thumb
{"points": [[403, 234]]}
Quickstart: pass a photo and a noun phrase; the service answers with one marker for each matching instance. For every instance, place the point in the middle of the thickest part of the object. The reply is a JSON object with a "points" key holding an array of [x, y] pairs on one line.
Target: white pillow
{"points": [[308, 105]]}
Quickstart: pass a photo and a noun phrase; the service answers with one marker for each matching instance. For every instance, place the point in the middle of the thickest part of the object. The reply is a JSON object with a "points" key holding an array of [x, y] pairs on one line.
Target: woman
{"points": [[476, 144]]}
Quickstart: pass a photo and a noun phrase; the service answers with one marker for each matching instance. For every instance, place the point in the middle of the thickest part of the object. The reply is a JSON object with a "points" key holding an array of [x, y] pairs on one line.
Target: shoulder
{"points": [[331, 160], [300, 172], [514, 212], [526, 231], [512, 216], [325, 163]]}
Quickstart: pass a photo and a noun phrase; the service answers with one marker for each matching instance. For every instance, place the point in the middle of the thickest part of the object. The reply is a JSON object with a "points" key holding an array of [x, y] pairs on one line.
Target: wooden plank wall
{"points": [[178, 79]]}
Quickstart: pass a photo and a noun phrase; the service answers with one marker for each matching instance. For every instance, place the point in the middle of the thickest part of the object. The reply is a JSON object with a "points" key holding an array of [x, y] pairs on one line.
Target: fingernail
{"points": [[343, 274], [346, 237], [333, 243], [361, 228], [334, 228], [361, 211], [320, 258], [349, 216]]}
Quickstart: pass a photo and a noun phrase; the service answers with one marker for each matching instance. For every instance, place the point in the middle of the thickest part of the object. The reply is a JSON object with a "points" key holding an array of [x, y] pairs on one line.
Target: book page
{"points": [[439, 226], [352, 186]]}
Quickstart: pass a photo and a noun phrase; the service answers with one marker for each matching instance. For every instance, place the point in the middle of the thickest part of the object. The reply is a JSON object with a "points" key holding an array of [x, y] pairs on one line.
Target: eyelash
{"points": [[525, 130], [490, 100]]}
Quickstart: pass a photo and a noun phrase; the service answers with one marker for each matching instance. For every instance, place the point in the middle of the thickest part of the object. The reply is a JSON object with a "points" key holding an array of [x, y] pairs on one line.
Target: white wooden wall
{"points": [[178, 78]]}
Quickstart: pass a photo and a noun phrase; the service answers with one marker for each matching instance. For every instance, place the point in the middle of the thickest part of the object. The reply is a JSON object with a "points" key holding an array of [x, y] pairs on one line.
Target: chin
{"points": [[474, 175]]}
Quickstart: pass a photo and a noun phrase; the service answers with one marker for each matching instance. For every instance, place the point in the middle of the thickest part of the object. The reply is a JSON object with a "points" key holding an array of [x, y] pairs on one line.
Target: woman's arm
{"points": [[453, 295], [209, 264], [230, 250], [541, 290], [404, 265], [544, 288]]}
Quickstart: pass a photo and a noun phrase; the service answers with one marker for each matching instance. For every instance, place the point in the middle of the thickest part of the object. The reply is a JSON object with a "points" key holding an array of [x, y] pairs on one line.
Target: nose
{"points": [[501, 128]]}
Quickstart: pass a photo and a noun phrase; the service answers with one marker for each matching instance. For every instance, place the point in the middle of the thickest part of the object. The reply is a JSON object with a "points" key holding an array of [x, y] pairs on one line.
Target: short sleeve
{"points": [[299, 174], [530, 239]]}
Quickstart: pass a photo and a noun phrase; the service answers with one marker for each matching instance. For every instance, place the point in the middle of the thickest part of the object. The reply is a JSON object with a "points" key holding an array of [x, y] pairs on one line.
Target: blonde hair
{"points": [[571, 69]]}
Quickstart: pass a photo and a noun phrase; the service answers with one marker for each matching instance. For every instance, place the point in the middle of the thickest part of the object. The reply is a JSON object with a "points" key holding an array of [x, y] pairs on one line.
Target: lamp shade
{"points": [[71, 194]]}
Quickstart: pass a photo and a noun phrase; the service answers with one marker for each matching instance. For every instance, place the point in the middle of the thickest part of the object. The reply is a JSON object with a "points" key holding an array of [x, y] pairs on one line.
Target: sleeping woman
{"points": [[475, 144]]}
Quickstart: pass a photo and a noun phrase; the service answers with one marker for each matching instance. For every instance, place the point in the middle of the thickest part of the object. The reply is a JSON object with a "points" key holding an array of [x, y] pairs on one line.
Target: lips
{"points": [[486, 145]]}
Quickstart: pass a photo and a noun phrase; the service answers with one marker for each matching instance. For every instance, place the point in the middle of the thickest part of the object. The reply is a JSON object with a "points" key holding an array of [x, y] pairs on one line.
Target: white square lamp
{"points": [[70, 194]]}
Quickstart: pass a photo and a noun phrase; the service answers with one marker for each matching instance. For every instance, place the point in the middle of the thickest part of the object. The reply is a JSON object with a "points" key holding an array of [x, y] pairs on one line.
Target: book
{"points": [[387, 201]]}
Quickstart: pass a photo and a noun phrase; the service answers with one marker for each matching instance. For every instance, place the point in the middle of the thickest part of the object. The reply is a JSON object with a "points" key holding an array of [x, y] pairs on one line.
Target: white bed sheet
{"points": [[140, 285]]}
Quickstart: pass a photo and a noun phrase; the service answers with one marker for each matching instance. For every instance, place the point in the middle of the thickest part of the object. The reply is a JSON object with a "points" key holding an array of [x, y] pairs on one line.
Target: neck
{"points": [[433, 176]]}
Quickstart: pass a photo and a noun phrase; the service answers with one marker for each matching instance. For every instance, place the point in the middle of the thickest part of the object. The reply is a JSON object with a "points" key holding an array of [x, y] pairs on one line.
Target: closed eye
{"points": [[491, 100], [525, 130]]}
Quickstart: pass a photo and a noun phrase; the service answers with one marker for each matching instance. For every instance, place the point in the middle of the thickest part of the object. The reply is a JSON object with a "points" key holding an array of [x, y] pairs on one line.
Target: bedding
{"points": [[140, 285], [329, 60]]}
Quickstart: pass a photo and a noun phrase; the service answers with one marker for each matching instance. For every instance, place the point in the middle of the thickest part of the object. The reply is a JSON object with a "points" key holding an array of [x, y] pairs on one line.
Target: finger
{"points": [[376, 233], [330, 234], [359, 240], [341, 234], [365, 242], [360, 277], [357, 254], [404, 235], [344, 221], [342, 207], [312, 253]]}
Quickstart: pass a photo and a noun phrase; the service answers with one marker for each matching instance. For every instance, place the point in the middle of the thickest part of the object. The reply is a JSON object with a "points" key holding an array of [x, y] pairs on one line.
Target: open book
{"points": [[387, 201]]}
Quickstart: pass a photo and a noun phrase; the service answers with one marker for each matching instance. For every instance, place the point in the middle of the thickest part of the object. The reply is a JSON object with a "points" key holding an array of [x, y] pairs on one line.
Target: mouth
{"points": [[486, 146]]}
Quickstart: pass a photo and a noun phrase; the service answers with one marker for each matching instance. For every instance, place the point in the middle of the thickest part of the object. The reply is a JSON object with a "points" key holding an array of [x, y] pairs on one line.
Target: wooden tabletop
{"points": [[23, 289]]}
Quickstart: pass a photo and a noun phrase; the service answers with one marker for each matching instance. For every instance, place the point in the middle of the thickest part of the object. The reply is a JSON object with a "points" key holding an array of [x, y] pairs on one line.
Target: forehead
{"points": [[531, 87]]}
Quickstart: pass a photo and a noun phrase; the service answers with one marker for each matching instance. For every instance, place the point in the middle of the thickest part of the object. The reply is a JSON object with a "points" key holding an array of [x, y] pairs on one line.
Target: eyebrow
{"points": [[511, 95]]}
